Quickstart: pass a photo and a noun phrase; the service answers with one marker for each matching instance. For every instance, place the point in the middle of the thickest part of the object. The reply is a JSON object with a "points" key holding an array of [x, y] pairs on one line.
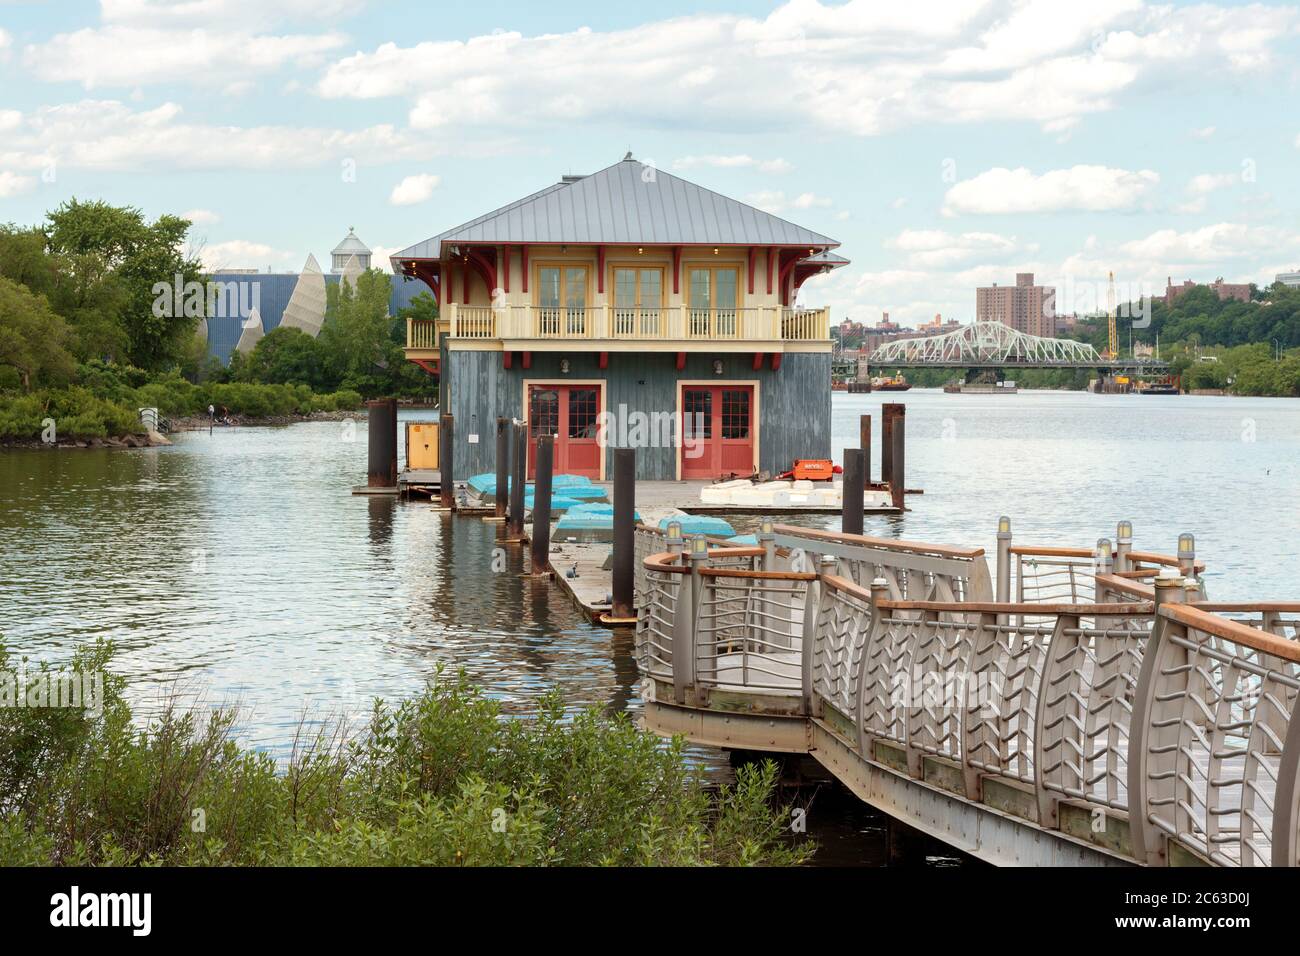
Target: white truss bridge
{"points": [[993, 345]]}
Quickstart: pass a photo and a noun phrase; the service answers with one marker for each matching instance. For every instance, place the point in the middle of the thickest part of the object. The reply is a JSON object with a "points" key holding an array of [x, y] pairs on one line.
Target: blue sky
{"points": [[945, 144]]}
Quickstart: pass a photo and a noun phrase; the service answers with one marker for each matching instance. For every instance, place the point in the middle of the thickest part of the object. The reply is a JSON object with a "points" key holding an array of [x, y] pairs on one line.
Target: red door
{"points": [[717, 430], [572, 414]]}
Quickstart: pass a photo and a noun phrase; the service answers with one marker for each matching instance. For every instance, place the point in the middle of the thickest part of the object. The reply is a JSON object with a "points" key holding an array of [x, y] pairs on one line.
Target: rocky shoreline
{"points": [[143, 440]]}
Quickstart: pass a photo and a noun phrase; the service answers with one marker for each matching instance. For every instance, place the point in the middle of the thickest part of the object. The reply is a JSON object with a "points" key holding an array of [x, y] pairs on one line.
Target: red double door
{"points": [[717, 430], [572, 414]]}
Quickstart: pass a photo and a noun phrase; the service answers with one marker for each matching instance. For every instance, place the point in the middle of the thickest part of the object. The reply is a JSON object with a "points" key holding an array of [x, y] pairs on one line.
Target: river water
{"points": [[236, 567]]}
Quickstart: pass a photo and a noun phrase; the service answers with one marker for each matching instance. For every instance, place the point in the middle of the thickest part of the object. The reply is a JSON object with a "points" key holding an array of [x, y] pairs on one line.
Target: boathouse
{"points": [[629, 307]]}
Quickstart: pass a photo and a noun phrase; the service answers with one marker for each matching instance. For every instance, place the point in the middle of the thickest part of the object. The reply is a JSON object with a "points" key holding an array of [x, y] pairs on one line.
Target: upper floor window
{"points": [[713, 293], [638, 300]]}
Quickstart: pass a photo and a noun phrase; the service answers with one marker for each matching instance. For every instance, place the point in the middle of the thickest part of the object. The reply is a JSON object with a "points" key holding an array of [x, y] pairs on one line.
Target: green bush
{"points": [[440, 779], [77, 413]]}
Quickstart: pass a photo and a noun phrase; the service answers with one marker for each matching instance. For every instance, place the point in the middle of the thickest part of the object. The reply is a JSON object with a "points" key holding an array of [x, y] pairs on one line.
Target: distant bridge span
{"points": [[994, 345]]}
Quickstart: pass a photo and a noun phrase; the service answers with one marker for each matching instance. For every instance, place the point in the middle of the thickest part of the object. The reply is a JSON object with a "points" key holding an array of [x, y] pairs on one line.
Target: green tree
{"points": [[357, 335], [100, 240], [33, 340], [287, 356]]}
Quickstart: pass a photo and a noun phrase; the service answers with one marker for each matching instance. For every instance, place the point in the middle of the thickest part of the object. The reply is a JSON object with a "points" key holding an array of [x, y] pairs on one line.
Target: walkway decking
{"points": [[1110, 714]]}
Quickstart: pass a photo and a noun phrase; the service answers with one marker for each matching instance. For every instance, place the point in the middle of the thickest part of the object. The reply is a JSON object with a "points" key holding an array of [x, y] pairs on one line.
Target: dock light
{"points": [[1103, 556], [767, 526], [674, 529], [699, 545], [1124, 531], [1004, 525], [1186, 545]]}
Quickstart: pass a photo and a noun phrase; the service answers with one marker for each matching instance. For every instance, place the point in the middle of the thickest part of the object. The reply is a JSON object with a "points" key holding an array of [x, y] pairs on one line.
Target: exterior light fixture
{"points": [[767, 526], [1124, 531], [1004, 525], [564, 366], [674, 529], [715, 250], [640, 250], [1186, 543], [717, 366], [699, 545]]}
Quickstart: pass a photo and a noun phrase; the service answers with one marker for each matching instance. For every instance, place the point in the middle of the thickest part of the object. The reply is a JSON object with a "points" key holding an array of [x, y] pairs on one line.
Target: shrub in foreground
{"points": [[439, 779]]}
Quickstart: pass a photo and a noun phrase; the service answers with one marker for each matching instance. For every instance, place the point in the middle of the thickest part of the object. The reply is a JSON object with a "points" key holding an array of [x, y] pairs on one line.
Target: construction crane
{"points": [[1112, 349]]}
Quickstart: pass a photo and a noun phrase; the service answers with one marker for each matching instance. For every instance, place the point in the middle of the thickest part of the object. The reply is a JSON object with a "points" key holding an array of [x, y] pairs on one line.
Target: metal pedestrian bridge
{"points": [[1090, 707], [995, 345]]}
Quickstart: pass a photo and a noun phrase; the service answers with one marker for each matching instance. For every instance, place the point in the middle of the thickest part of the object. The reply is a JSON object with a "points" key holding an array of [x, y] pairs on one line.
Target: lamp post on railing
{"points": [[674, 540], [1123, 545], [1187, 554], [767, 541], [684, 620], [1103, 563], [1004, 559], [697, 558]]}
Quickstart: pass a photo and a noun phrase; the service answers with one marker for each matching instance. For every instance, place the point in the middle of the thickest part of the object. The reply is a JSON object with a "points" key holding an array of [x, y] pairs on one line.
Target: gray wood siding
{"points": [[794, 402]]}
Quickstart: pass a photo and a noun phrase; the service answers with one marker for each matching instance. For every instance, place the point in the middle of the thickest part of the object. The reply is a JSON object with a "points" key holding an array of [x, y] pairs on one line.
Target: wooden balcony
{"points": [[519, 327]]}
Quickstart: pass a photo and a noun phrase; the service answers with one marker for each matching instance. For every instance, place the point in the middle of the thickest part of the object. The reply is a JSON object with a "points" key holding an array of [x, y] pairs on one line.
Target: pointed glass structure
{"points": [[306, 308], [352, 271], [251, 333]]}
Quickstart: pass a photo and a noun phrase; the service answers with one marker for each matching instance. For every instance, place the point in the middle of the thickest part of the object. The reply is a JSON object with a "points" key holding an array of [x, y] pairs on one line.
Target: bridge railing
{"points": [[1215, 751], [1148, 703]]}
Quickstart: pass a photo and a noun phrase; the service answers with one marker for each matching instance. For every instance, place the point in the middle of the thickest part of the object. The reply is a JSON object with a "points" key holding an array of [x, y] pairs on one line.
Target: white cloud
{"points": [[1211, 244], [379, 257], [414, 189], [935, 248], [1090, 188], [109, 135], [241, 254], [1209, 182], [10, 119], [1205, 132], [6, 41], [776, 201], [852, 67], [201, 217], [741, 161], [140, 56], [249, 14], [11, 184]]}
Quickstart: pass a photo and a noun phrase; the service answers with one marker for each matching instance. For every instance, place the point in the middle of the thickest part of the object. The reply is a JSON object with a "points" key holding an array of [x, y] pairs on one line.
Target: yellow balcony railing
{"points": [[607, 322]]}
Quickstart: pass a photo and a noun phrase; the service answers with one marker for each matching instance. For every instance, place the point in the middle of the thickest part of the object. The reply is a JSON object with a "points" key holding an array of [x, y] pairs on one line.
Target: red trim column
{"points": [[677, 269], [523, 266], [753, 267], [600, 269], [771, 252], [505, 268]]}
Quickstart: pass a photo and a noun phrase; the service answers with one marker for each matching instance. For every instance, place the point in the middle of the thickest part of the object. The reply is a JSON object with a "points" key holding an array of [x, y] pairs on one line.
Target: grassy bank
{"points": [[106, 401], [439, 779]]}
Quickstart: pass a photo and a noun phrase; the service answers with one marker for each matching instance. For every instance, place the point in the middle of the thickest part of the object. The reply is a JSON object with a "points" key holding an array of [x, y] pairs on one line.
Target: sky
{"points": [[946, 144]]}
